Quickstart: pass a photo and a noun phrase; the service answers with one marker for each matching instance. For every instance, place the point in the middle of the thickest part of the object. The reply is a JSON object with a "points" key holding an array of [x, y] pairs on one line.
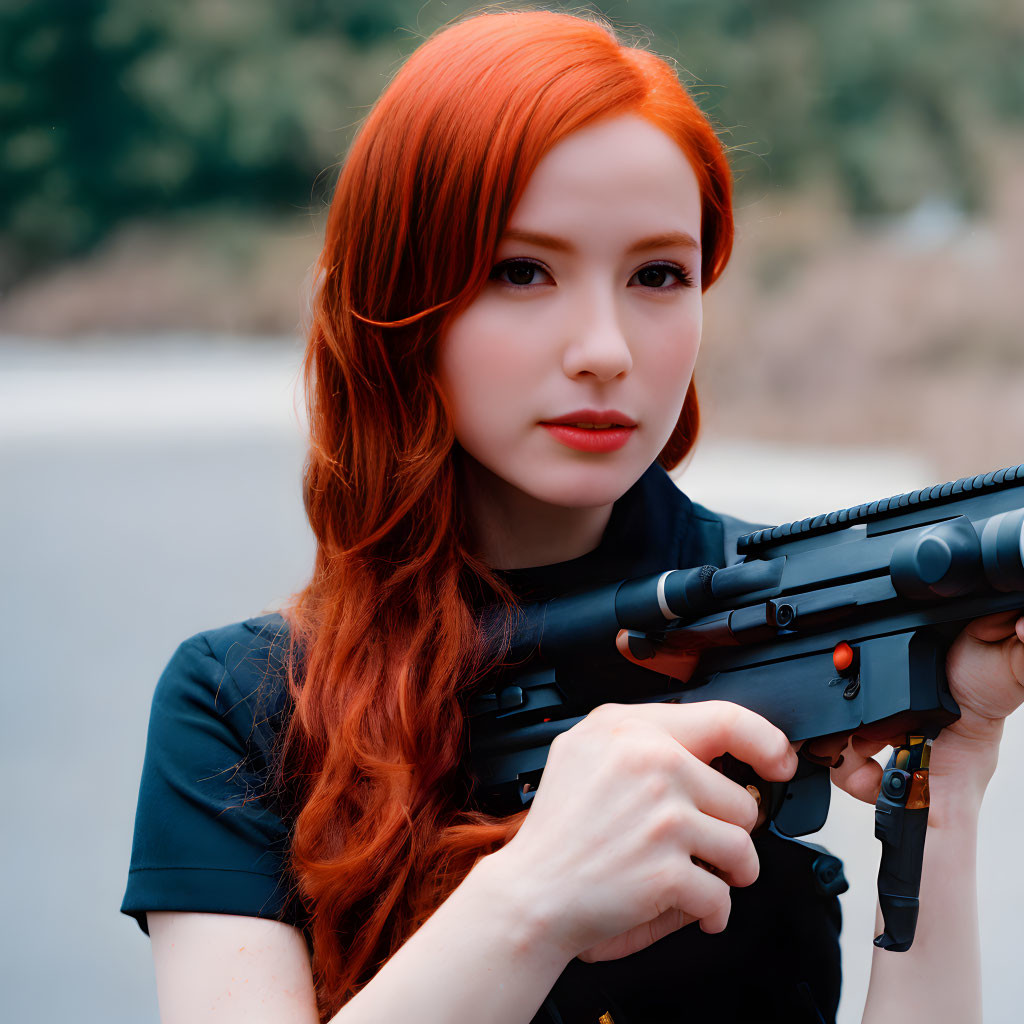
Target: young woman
{"points": [[499, 372]]}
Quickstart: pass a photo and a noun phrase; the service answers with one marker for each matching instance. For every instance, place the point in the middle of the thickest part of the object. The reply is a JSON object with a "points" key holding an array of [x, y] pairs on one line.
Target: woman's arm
{"points": [[228, 968], [481, 956], [939, 977], [630, 836]]}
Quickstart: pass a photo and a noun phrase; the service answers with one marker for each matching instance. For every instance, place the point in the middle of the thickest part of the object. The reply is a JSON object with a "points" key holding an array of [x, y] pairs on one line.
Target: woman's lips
{"points": [[589, 439]]}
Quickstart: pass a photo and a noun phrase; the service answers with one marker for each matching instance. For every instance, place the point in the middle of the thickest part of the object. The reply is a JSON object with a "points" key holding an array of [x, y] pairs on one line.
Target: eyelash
{"points": [[683, 278]]}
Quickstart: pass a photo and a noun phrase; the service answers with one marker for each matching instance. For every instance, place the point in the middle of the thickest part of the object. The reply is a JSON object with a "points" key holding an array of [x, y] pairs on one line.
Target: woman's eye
{"points": [[521, 273], [655, 275], [517, 273]]}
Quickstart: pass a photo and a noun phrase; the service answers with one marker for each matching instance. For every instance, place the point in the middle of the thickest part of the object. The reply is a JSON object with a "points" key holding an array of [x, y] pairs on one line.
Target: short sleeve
{"points": [[205, 838]]}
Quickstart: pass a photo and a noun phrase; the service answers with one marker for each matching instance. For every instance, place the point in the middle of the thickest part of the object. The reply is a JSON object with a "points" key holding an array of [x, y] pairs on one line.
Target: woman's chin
{"points": [[584, 486]]}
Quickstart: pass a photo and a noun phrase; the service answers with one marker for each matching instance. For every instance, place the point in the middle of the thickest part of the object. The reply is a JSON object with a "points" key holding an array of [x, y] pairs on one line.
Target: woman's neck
{"points": [[516, 531]]}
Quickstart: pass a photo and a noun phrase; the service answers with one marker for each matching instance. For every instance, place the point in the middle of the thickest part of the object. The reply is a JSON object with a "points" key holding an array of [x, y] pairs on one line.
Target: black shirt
{"points": [[206, 840]]}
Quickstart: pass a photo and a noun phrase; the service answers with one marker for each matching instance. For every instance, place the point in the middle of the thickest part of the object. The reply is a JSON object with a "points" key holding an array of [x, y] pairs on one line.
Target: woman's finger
{"points": [[996, 627], [859, 774], [728, 851], [869, 747]]}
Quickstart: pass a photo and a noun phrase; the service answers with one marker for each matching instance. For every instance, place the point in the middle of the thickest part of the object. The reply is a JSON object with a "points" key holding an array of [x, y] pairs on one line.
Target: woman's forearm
{"points": [[939, 977], [482, 956]]}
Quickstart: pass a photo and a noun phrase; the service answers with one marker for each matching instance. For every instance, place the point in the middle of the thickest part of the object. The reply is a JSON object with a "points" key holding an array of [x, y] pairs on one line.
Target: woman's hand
{"points": [[985, 669], [632, 835]]}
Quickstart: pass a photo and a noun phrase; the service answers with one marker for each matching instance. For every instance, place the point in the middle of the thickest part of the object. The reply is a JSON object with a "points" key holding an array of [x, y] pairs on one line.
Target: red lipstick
{"points": [[591, 430]]}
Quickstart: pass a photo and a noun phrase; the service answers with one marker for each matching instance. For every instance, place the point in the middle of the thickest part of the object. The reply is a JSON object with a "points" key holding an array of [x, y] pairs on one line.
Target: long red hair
{"points": [[384, 644]]}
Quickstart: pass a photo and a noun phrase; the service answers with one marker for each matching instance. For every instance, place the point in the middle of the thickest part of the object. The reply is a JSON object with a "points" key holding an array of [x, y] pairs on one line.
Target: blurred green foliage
{"points": [[119, 109], [892, 100]]}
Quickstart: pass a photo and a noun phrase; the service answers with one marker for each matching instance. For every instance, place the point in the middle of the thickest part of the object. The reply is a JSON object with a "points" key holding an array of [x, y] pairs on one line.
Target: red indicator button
{"points": [[842, 657]]}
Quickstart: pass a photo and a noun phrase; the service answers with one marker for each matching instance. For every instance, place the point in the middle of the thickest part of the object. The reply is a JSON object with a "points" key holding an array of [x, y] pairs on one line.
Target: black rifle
{"points": [[833, 625]]}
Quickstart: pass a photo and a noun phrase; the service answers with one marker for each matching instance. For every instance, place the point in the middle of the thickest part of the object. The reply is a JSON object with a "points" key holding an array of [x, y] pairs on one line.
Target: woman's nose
{"points": [[598, 346]]}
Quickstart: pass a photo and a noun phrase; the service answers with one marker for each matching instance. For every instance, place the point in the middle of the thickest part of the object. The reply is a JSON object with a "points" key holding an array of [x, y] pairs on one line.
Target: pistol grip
{"points": [[901, 822]]}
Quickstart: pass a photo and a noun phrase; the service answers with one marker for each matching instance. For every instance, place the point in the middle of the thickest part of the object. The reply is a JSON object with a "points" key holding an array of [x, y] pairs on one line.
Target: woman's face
{"points": [[591, 316]]}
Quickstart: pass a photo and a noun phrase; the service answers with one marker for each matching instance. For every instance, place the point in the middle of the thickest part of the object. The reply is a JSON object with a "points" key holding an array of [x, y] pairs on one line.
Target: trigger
{"points": [[805, 799]]}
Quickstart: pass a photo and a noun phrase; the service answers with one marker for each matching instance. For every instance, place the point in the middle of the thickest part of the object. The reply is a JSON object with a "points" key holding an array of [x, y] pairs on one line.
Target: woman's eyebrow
{"points": [[664, 240]]}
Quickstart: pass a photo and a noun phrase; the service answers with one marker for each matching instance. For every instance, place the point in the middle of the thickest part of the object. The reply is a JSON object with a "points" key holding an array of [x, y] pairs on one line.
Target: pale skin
{"points": [[600, 870]]}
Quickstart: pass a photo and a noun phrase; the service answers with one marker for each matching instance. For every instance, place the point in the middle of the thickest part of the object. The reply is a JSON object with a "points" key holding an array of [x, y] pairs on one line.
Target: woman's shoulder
{"points": [[209, 834], [237, 672], [241, 648], [264, 632], [718, 532], [227, 684], [240, 660]]}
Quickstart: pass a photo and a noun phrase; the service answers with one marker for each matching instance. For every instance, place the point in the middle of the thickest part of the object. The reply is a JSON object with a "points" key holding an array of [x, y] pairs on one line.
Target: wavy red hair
{"points": [[384, 644]]}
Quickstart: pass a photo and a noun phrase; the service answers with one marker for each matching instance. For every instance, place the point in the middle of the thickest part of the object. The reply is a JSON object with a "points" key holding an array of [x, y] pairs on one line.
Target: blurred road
{"points": [[151, 491]]}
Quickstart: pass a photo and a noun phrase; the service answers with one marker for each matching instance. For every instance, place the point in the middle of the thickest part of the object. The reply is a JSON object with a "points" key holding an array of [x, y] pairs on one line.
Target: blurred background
{"points": [[164, 173]]}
